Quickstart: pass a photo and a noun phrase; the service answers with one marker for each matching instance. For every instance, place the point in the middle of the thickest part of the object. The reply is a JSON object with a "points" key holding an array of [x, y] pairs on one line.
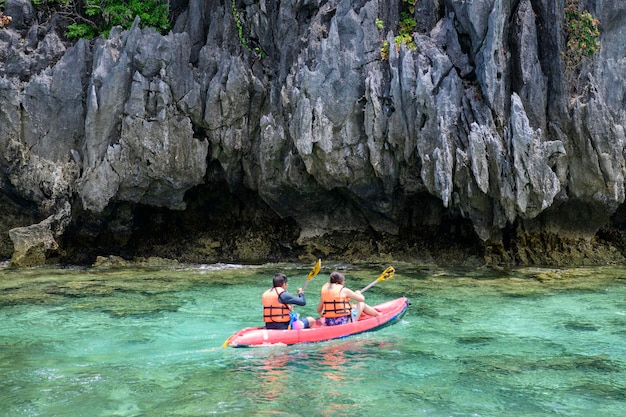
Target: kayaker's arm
{"points": [[288, 298], [353, 295]]}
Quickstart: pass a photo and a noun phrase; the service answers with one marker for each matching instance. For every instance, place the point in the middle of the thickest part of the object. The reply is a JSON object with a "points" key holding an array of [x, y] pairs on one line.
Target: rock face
{"points": [[293, 131]]}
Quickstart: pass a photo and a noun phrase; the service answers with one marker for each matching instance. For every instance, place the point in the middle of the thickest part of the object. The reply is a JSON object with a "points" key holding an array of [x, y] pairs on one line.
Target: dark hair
{"points": [[279, 279], [336, 278]]}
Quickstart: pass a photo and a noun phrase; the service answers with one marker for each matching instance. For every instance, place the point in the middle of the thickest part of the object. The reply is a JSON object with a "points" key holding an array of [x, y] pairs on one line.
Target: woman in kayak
{"points": [[334, 303], [278, 304]]}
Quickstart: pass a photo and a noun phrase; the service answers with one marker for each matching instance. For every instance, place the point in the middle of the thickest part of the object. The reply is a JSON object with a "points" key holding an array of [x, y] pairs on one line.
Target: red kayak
{"points": [[392, 311]]}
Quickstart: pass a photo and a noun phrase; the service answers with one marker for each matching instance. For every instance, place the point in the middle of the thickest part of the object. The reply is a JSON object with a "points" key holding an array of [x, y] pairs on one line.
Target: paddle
{"points": [[313, 273], [226, 342], [293, 316], [387, 274]]}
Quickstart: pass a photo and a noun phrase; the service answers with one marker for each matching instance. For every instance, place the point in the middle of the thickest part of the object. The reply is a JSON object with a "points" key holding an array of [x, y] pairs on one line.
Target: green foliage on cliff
{"points": [[242, 38], [90, 18], [582, 34], [406, 26], [405, 29], [240, 32]]}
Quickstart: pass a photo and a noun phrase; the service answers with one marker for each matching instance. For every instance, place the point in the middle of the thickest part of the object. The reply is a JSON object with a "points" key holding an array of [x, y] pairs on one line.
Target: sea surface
{"points": [[139, 341]]}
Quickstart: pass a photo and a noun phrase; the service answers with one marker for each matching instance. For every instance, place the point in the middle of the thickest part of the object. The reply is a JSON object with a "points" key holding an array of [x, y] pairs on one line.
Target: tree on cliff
{"points": [[90, 18]]}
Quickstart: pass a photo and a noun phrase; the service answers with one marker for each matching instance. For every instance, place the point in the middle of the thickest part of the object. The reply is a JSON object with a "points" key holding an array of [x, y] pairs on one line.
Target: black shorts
{"points": [[277, 326], [285, 326]]}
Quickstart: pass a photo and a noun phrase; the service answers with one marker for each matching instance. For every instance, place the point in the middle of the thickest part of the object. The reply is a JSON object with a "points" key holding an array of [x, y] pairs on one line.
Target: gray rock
{"points": [[302, 110], [32, 244]]}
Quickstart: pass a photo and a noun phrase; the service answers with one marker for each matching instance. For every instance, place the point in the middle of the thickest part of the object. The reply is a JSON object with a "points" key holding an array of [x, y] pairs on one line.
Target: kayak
{"points": [[391, 312]]}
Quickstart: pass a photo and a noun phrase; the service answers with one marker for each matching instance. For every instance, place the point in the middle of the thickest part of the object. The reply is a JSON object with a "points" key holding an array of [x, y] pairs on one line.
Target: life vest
{"points": [[333, 304], [273, 310]]}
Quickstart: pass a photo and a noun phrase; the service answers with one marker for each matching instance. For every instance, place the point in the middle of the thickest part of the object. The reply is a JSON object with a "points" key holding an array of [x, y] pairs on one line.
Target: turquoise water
{"points": [[147, 342]]}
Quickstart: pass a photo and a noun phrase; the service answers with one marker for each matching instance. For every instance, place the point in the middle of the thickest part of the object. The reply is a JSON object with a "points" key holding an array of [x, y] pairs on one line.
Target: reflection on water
{"points": [[147, 342], [320, 379]]}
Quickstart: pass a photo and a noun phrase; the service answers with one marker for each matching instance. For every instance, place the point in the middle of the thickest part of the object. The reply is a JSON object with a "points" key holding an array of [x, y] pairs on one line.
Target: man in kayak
{"points": [[278, 305], [334, 305]]}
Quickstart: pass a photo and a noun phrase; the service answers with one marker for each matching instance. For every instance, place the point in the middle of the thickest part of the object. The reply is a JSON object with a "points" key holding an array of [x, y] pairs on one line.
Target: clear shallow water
{"points": [[141, 342]]}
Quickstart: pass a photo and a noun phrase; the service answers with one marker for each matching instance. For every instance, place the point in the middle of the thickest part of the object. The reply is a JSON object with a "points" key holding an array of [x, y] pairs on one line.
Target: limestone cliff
{"points": [[264, 130]]}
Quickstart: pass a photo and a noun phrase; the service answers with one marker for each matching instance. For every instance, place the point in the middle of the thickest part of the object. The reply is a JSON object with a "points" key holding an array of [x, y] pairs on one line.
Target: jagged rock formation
{"points": [[308, 140]]}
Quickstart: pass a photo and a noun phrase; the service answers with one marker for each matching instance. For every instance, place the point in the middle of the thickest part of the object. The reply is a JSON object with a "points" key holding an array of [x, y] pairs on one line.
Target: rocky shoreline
{"points": [[263, 131]]}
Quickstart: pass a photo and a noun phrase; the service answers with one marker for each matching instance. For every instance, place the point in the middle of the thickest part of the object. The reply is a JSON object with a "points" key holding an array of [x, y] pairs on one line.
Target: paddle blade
{"points": [[313, 273], [387, 274], [315, 270], [226, 343]]}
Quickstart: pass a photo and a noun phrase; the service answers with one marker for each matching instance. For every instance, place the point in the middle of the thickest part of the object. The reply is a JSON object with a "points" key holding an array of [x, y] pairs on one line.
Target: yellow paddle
{"points": [[226, 342], [387, 274], [313, 273]]}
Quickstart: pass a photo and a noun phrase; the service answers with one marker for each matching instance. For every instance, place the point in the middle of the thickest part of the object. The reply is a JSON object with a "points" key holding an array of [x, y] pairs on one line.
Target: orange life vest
{"points": [[273, 310], [333, 304]]}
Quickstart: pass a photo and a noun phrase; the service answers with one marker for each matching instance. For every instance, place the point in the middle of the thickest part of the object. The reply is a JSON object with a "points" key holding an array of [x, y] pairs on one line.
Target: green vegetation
{"points": [[90, 18], [582, 34], [406, 26], [242, 38], [405, 29], [384, 51]]}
